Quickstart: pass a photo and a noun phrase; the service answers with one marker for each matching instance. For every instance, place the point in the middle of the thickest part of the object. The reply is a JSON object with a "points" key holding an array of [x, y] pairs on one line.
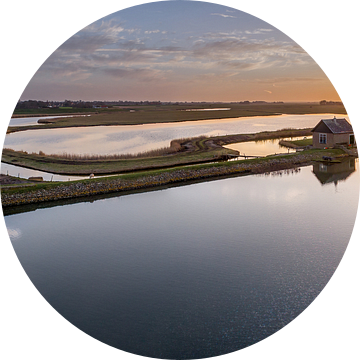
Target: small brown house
{"points": [[330, 132]]}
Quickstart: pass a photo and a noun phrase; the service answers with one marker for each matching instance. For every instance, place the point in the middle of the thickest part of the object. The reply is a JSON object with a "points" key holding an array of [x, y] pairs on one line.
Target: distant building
{"points": [[330, 132]]}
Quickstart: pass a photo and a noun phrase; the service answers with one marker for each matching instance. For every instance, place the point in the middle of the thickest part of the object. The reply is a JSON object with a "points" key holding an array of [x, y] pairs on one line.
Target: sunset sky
{"points": [[180, 51]]}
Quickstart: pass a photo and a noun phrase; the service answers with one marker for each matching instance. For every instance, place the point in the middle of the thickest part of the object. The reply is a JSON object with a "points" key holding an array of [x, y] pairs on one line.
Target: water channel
{"points": [[133, 139], [192, 271], [258, 148], [33, 120], [137, 138]]}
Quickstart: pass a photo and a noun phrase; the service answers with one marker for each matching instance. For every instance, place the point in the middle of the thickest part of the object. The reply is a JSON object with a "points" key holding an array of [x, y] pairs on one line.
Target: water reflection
{"points": [[325, 172], [33, 120], [259, 148], [189, 272], [346, 168], [133, 139], [328, 173], [25, 173], [292, 171]]}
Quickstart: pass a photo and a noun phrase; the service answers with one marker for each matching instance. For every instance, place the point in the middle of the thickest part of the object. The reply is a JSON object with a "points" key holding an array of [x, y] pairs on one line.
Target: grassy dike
{"points": [[50, 191], [181, 152]]}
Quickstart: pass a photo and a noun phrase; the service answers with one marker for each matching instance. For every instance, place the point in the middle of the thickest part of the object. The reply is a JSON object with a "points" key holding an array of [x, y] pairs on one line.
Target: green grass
{"points": [[299, 143], [202, 150], [303, 142], [86, 167], [314, 155]]}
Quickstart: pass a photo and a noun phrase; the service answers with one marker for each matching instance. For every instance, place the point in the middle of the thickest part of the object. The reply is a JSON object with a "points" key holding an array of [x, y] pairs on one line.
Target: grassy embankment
{"points": [[50, 191], [134, 115], [296, 144], [160, 170], [182, 152], [25, 192]]}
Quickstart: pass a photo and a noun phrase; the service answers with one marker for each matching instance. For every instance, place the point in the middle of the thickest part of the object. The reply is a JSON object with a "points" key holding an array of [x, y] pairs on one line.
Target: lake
{"points": [[133, 139], [192, 271]]}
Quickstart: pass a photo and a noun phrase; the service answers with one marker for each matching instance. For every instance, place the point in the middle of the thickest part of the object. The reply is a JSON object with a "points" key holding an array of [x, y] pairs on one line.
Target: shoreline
{"points": [[136, 115], [21, 116], [44, 192], [193, 151]]}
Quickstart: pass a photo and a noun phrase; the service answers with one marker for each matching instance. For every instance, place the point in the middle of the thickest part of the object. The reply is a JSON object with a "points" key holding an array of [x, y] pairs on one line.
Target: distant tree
{"points": [[31, 104], [68, 103]]}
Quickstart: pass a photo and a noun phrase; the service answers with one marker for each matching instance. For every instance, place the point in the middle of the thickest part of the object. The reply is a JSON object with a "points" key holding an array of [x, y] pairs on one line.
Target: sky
{"points": [[180, 51]]}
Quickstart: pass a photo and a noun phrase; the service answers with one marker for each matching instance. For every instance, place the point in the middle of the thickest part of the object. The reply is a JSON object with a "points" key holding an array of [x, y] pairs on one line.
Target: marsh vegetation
{"points": [[150, 114], [181, 152]]}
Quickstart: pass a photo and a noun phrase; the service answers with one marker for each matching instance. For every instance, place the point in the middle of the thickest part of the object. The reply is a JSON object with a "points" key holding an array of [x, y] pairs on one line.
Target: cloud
{"points": [[109, 27], [239, 65], [93, 37], [224, 15], [131, 73], [238, 46], [102, 35], [257, 31], [108, 48], [71, 67], [222, 35], [207, 53], [84, 43], [117, 56], [14, 233], [151, 31], [275, 82], [242, 55]]}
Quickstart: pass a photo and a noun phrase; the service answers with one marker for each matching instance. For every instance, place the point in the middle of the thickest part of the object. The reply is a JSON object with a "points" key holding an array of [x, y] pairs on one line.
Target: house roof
{"points": [[336, 126]]}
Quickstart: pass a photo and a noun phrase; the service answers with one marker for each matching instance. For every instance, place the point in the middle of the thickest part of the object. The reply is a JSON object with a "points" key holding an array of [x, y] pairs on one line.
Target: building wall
{"points": [[332, 139]]}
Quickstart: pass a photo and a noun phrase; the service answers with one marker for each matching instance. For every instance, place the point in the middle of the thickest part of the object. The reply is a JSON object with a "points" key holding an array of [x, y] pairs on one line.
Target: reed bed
{"points": [[151, 153], [70, 156], [175, 147]]}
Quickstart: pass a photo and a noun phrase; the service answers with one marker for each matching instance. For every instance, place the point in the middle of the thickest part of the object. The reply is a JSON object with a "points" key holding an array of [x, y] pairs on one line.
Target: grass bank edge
{"points": [[300, 158], [202, 150]]}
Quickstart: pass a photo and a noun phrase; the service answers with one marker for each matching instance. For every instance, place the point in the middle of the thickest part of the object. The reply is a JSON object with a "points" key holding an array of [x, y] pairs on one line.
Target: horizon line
{"points": [[190, 101]]}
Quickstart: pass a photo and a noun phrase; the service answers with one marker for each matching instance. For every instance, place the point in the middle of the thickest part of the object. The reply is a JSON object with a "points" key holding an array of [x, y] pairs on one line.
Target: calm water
{"points": [[19, 171], [130, 139], [32, 120], [137, 138], [259, 148], [193, 271]]}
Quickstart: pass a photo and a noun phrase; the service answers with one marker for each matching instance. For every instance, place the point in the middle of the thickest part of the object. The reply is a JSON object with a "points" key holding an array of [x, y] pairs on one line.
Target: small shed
{"points": [[330, 132]]}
